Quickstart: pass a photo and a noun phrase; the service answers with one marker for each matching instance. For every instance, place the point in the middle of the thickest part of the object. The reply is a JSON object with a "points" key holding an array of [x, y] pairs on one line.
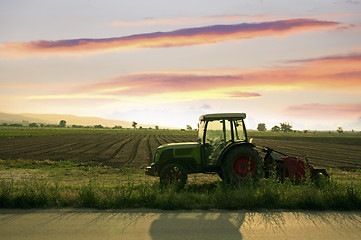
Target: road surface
{"points": [[146, 224]]}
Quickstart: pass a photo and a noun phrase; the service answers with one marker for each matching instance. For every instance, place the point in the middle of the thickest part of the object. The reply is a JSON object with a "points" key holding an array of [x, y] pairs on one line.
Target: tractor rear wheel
{"points": [[173, 174], [242, 165]]}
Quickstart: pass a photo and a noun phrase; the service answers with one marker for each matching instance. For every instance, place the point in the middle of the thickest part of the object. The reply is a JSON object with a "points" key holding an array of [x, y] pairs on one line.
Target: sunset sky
{"points": [[167, 62]]}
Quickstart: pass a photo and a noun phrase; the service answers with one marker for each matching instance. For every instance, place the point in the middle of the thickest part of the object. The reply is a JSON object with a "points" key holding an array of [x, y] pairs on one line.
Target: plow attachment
{"points": [[289, 167]]}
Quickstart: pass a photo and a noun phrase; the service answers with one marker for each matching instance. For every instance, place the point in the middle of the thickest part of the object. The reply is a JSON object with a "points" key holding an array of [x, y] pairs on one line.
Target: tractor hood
{"points": [[175, 152], [179, 145], [187, 154]]}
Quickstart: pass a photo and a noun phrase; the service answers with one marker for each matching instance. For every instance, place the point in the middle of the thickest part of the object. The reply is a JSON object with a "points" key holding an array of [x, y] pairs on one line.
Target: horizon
{"points": [[161, 64], [140, 125]]}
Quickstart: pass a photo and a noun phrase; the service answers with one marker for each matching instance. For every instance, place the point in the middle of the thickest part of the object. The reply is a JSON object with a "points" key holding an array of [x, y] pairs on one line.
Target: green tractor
{"points": [[222, 148]]}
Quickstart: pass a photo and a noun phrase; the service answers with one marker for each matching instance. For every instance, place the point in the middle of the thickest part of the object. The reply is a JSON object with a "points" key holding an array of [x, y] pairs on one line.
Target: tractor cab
{"points": [[217, 132]]}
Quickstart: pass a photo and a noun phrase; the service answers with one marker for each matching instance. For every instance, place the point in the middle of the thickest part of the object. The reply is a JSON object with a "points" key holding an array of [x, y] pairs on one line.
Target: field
{"points": [[135, 148], [117, 150], [103, 169]]}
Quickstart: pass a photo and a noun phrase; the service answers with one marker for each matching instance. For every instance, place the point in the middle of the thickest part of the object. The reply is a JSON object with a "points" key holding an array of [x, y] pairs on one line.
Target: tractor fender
{"points": [[189, 164], [230, 147]]}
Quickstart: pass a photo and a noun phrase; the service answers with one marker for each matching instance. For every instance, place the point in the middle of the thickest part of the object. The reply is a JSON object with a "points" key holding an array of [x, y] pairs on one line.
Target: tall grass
{"points": [[44, 184], [32, 193]]}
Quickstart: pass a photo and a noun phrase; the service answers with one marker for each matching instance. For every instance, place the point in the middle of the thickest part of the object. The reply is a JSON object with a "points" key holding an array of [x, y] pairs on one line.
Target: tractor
{"points": [[224, 148]]}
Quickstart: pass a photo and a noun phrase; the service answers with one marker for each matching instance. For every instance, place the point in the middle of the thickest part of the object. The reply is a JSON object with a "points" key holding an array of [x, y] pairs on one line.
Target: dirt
{"points": [[137, 151]]}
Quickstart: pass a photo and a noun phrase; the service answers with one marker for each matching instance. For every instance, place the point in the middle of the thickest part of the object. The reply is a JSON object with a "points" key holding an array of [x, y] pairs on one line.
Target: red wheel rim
{"points": [[244, 167]]}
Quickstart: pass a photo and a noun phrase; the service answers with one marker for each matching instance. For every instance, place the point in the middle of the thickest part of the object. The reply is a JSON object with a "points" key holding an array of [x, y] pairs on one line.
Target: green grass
{"points": [[45, 184], [43, 131], [348, 138]]}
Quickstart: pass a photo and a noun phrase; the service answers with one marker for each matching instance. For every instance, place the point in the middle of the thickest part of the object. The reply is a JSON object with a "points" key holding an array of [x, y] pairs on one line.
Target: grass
{"points": [[8, 132], [44, 184], [348, 138]]}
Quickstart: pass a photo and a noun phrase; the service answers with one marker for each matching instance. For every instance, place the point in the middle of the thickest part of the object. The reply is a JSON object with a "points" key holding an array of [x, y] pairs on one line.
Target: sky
{"points": [[168, 62]]}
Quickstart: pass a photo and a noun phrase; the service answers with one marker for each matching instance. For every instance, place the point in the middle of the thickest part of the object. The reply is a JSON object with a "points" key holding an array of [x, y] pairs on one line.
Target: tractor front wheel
{"points": [[242, 165], [173, 174]]}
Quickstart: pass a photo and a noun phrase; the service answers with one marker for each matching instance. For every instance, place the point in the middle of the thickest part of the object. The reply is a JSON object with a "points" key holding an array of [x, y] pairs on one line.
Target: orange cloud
{"points": [[336, 73], [182, 37], [327, 73]]}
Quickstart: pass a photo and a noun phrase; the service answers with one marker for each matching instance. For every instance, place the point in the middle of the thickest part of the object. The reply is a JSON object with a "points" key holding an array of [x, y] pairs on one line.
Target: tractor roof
{"points": [[219, 116]]}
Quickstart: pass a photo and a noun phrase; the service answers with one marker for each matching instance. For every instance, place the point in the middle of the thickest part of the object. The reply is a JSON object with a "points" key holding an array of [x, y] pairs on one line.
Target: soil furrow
{"points": [[161, 139], [30, 145], [149, 150], [114, 149], [134, 152], [71, 147], [107, 144], [120, 148], [157, 140]]}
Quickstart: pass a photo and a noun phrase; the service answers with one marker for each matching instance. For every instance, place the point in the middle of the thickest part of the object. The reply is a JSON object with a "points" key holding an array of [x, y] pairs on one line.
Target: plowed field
{"points": [[118, 150], [136, 151]]}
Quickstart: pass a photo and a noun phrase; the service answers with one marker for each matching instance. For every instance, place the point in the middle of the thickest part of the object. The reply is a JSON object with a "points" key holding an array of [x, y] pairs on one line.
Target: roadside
{"points": [[160, 225]]}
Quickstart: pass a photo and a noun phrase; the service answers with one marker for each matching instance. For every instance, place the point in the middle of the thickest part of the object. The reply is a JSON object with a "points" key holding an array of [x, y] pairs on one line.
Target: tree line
{"points": [[62, 124], [285, 127]]}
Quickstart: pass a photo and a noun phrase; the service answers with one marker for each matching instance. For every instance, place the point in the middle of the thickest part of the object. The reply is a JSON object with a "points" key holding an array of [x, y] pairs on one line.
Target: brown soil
{"points": [[137, 151]]}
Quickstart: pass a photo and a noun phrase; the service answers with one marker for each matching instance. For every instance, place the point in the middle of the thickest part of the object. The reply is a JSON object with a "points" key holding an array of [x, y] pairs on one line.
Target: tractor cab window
{"points": [[239, 134], [218, 135], [201, 127]]}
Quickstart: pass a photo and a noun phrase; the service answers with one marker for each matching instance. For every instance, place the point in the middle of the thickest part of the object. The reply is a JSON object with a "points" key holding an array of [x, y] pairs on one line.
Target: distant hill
{"points": [[25, 118], [17, 118]]}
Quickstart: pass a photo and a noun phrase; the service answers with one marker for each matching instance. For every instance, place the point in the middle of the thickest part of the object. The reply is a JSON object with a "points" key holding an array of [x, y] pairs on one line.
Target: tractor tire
{"points": [[242, 165], [220, 174], [173, 174]]}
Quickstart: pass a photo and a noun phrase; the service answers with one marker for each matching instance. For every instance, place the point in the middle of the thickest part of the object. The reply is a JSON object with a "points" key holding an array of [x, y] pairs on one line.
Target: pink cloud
{"points": [[154, 83], [336, 111], [243, 94], [347, 57], [323, 73], [181, 37], [336, 73]]}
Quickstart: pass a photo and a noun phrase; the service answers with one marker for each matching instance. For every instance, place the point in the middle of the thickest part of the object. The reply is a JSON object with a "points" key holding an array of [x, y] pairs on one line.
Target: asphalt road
{"points": [[168, 225]]}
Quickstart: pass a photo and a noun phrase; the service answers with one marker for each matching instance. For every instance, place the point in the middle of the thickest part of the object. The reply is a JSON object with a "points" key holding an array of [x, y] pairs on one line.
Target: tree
{"points": [[33, 125], [62, 123], [189, 127], [340, 130], [134, 125], [156, 127], [262, 127], [286, 127], [77, 126], [275, 129]]}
